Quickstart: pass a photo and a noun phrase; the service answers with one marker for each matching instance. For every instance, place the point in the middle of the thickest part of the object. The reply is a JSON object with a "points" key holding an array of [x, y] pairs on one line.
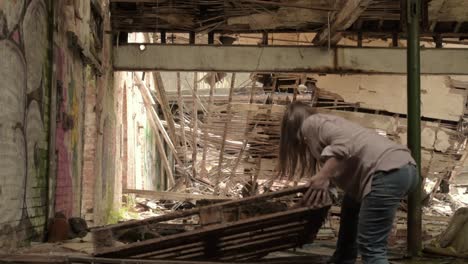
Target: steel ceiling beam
{"points": [[285, 59]]}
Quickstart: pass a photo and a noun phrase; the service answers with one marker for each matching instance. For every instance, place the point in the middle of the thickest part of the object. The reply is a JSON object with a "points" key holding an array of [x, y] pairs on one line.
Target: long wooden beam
{"points": [[156, 124], [348, 12], [175, 196], [286, 59]]}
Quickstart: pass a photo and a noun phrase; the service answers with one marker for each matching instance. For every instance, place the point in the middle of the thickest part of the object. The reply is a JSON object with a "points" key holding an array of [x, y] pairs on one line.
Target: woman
{"points": [[374, 172]]}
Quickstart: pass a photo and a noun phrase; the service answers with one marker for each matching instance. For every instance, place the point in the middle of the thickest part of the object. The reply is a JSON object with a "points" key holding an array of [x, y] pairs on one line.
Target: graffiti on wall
{"points": [[24, 119], [70, 78], [24, 115]]}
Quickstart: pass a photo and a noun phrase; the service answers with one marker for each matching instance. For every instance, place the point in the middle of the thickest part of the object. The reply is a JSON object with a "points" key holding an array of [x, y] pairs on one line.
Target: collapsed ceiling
{"points": [[370, 17]]}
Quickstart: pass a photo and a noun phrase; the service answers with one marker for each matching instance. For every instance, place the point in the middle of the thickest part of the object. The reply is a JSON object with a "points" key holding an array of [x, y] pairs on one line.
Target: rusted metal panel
{"points": [[285, 59]]}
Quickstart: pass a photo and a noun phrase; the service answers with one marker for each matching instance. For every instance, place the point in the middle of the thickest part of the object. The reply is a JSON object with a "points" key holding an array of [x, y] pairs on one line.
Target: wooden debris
{"points": [[175, 196], [149, 103], [194, 125], [208, 122], [226, 235], [158, 127], [161, 92], [226, 125], [454, 240]]}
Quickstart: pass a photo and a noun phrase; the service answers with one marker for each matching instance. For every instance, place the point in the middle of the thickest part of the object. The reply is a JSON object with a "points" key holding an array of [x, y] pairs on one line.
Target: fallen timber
{"points": [[227, 231]]}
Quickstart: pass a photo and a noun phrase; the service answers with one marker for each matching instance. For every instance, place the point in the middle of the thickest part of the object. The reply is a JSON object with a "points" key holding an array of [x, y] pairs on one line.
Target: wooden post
{"points": [[211, 37], [296, 87], [163, 37], [192, 38]]}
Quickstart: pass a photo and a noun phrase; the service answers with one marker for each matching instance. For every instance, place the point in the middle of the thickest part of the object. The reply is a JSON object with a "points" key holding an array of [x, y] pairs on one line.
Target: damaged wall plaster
{"points": [[388, 93], [453, 10]]}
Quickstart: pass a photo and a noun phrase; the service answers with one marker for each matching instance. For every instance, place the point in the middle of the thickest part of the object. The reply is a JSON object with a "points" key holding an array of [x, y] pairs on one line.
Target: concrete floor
{"points": [[320, 252], [316, 253]]}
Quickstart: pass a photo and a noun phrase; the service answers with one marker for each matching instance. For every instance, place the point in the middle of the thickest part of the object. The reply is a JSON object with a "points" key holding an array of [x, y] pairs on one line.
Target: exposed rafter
{"points": [[348, 12]]}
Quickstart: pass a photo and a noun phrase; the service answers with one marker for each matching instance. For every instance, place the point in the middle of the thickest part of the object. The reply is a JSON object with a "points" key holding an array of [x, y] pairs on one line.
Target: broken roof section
{"points": [[383, 18]]}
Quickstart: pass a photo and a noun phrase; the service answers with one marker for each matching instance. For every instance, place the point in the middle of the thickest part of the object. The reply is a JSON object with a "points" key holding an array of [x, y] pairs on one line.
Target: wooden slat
{"points": [[196, 235], [162, 218], [27, 259], [247, 129], [161, 92], [158, 127], [174, 196], [180, 104], [208, 122], [194, 125], [226, 125]]}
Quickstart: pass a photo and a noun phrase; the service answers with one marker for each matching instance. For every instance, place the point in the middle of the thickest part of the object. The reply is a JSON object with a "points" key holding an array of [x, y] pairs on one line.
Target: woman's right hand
{"points": [[317, 195]]}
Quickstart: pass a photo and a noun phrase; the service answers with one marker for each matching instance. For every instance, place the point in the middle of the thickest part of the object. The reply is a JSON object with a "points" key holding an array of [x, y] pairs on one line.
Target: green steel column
{"points": [[414, 123]]}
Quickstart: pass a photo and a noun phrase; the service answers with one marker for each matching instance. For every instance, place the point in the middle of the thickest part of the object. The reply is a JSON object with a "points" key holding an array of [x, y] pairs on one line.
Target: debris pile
{"points": [[235, 230]]}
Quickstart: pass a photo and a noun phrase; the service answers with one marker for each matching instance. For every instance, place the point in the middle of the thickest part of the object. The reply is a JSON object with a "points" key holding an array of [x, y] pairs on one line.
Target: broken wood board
{"points": [[174, 196], [46, 259], [232, 234]]}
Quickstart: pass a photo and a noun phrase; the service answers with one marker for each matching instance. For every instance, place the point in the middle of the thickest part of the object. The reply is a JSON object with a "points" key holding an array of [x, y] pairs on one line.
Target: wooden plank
{"points": [[158, 82], [208, 122], [247, 129], [26, 259], [83, 259], [158, 127], [149, 103], [296, 87], [226, 125], [162, 218], [175, 196], [172, 250], [196, 235], [180, 104], [348, 13], [285, 4], [194, 125]]}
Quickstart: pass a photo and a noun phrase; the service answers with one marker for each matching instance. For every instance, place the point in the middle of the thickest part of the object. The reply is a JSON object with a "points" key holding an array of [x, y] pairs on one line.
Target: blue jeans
{"points": [[365, 226]]}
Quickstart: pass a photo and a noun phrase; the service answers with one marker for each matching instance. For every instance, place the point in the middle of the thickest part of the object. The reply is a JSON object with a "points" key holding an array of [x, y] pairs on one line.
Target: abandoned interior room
{"points": [[149, 131]]}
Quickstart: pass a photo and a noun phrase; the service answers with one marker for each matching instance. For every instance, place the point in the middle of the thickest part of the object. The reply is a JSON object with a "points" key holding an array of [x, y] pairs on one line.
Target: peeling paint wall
{"points": [[108, 166], [88, 119], [143, 167]]}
